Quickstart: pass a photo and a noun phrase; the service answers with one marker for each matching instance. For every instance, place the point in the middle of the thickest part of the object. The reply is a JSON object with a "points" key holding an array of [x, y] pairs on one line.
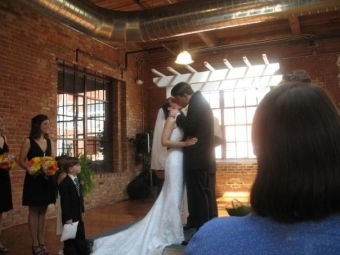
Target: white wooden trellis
{"points": [[252, 77]]}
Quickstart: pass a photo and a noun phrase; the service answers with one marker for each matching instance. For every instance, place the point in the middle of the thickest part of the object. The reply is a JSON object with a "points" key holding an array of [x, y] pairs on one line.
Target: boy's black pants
{"points": [[79, 245]]}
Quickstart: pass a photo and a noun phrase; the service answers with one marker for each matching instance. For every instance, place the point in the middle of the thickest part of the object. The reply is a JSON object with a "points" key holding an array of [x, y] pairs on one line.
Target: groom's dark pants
{"points": [[212, 187], [199, 196]]}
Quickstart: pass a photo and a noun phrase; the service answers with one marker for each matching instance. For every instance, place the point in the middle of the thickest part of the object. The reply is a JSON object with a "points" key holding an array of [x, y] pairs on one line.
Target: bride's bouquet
{"points": [[42, 165], [7, 161]]}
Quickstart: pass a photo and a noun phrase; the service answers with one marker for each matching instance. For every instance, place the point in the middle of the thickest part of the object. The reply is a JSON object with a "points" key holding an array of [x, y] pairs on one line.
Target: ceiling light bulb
{"points": [[184, 58], [139, 82]]}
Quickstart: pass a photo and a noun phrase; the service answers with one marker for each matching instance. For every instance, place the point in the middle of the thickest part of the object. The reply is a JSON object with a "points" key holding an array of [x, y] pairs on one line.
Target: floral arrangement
{"points": [[86, 174], [42, 165], [7, 161]]}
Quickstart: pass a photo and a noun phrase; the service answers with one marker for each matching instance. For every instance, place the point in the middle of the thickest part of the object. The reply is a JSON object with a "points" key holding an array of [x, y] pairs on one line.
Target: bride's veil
{"points": [[159, 152]]}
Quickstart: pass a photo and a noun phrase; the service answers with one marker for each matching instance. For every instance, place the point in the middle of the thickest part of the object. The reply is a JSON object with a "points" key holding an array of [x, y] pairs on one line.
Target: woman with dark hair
{"points": [[38, 191], [296, 193], [6, 202]]}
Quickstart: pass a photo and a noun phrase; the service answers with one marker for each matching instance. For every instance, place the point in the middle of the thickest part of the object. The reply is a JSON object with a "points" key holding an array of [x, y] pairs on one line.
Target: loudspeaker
{"points": [[142, 143]]}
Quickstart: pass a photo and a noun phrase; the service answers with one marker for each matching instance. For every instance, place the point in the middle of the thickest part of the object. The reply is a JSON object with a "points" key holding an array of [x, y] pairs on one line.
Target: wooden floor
{"points": [[98, 220]]}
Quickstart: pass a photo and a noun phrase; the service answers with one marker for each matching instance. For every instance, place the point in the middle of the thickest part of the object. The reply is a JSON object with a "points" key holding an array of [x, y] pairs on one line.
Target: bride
{"points": [[162, 226]]}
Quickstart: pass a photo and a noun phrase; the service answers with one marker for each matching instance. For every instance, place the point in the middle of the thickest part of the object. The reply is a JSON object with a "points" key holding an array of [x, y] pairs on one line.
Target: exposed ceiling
{"points": [[323, 21], [200, 26]]}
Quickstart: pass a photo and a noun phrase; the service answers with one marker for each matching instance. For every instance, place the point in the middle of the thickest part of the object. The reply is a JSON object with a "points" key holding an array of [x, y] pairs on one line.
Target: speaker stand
{"points": [[146, 173]]}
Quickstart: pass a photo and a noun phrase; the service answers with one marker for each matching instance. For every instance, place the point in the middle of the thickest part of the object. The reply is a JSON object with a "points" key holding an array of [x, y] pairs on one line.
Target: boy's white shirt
{"points": [[72, 176]]}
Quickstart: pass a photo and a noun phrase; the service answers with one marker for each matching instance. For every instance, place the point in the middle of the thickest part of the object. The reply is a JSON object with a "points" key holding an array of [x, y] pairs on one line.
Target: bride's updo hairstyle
{"points": [[166, 105]]}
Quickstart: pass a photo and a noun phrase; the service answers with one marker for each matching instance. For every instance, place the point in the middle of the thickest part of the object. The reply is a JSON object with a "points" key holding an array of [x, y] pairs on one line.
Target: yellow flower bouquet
{"points": [[42, 165], [7, 161]]}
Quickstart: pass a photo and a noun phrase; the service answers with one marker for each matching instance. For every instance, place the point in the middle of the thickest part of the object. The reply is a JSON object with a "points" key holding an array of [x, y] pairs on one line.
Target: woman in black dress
{"points": [[6, 203], [38, 191]]}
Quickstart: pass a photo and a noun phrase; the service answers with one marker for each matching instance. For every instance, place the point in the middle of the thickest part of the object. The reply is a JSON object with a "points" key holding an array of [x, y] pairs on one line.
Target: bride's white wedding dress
{"points": [[162, 226]]}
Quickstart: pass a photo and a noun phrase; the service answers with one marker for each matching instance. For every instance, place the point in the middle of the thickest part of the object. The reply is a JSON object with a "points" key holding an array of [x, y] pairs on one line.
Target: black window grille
{"points": [[84, 115]]}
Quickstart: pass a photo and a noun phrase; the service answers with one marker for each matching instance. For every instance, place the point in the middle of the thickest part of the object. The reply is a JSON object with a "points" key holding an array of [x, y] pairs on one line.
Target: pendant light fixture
{"points": [[138, 80], [184, 57]]}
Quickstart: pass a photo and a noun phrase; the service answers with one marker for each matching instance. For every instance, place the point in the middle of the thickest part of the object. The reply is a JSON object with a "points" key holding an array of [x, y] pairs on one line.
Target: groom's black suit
{"points": [[199, 159]]}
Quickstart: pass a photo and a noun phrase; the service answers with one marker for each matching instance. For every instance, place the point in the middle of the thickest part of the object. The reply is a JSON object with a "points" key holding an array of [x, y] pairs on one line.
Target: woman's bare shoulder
{"points": [[61, 177]]}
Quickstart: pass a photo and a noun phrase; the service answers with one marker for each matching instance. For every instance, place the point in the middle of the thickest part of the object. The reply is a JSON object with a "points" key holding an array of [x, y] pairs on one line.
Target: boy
{"points": [[72, 206]]}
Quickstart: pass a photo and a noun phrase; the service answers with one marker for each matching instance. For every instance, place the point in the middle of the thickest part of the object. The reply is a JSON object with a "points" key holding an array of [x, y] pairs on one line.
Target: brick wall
{"points": [[30, 45]]}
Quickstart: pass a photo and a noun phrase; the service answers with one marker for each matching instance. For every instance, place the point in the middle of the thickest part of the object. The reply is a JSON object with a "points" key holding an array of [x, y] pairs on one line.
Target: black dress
{"points": [[38, 190], [6, 203]]}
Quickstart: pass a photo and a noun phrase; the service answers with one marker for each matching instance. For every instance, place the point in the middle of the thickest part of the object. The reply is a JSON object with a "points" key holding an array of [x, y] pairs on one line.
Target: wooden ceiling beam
{"points": [[209, 39], [295, 25]]}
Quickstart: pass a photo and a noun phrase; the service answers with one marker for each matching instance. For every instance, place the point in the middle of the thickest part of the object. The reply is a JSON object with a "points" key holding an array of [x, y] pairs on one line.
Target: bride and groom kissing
{"points": [[191, 160]]}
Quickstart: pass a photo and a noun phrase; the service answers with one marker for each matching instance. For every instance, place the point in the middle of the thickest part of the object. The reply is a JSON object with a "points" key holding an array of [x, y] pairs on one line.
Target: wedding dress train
{"points": [[162, 226]]}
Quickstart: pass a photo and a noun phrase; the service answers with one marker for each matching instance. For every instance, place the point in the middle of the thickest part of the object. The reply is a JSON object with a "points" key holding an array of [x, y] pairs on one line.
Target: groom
{"points": [[199, 160]]}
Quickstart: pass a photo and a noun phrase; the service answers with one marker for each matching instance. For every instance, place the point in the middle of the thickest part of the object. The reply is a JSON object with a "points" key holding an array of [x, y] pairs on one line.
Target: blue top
{"points": [[253, 234]]}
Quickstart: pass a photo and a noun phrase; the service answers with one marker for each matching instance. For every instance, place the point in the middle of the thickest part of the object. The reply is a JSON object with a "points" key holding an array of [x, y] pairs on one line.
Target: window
{"points": [[84, 117], [234, 105], [235, 110]]}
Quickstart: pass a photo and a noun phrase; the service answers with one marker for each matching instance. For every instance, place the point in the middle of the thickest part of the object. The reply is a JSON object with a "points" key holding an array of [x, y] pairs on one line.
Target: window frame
{"points": [[87, 89]]}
